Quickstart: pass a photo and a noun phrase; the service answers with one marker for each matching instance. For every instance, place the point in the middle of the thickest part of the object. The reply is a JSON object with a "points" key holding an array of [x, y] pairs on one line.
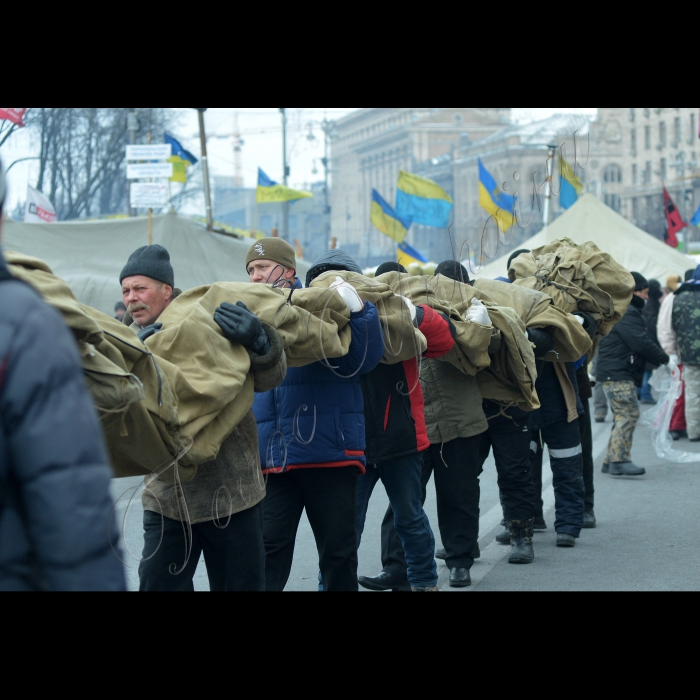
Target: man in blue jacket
{"points": [[312, 432], [54, 474]]}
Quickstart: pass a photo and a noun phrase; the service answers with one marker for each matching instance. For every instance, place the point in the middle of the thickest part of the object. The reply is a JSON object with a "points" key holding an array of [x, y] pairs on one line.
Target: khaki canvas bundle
{"points": [[577, 277], [171, 402]]}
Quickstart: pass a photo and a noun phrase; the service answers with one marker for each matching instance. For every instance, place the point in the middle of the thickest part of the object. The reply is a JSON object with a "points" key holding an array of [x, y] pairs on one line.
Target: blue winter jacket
{"points": [[315, 418], [55, 503]]}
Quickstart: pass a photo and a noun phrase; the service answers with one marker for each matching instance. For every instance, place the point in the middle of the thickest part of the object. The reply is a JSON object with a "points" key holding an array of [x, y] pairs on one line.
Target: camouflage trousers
{"points": [[622, 397], [691, 377]]}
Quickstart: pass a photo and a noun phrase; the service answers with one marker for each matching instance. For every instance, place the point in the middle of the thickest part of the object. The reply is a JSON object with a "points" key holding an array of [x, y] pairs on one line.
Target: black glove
{"points": [[242, 326], [544, 343], [148, 331]]}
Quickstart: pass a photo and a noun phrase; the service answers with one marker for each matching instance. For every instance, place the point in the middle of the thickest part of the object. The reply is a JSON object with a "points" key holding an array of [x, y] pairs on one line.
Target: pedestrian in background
{"points": [[119, 310], [651, 316], [55, 505], [622, 356], [686, 325]]}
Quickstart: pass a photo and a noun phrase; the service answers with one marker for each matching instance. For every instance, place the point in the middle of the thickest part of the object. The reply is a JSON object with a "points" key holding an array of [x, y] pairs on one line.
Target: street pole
{"points": [[132, 126], [285, 177], [548, 188], [205, 169], [326, 200]]}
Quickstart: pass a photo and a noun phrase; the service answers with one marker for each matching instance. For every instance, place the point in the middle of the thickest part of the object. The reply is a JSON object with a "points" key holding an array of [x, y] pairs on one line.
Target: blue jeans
{"points": [[644, 393], [402, 480]]}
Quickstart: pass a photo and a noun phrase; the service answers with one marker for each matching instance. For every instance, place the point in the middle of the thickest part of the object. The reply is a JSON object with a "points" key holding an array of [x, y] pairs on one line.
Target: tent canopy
{"points": [[89, 255], [591, 220]]}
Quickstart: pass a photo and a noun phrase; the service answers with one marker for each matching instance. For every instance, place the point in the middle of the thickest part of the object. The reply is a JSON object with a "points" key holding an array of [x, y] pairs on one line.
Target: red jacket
{"points": [[393, 397]]}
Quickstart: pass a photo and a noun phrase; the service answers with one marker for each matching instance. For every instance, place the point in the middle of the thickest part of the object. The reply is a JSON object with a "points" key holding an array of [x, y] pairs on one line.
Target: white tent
{"points": [[89, 255], [591, 220]]}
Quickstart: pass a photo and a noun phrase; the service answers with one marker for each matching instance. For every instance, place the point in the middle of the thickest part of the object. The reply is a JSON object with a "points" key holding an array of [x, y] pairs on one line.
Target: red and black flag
{"points": [[674, 221]]}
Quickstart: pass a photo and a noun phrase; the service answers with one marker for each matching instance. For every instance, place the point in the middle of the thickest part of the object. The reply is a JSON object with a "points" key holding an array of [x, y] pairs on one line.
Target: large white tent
{"points": [[591, 220], [89, 255]]}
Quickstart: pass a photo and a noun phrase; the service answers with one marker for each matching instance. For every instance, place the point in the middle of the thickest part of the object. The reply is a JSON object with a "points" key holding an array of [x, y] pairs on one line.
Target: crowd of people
{"points": [[319, 438]]}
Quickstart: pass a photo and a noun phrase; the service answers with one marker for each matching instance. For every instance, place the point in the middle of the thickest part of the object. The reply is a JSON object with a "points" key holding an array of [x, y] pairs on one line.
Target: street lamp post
{"points": [[132, 126], [205, 168], [285, 174]]}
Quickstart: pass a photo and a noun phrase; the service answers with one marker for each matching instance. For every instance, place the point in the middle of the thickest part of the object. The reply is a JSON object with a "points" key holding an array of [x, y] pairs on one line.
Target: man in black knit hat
{"points": [[622, 356]]}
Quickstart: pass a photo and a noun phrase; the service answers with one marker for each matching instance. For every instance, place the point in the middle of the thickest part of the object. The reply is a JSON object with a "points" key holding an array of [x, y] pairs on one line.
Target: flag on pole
{"points": [[695, 221], [13, 114], [271, 191], [570, 184], [387, 220], [181, 160], [496, 202], [674, 221], [38, 209], [422, 201], [407, 254]]}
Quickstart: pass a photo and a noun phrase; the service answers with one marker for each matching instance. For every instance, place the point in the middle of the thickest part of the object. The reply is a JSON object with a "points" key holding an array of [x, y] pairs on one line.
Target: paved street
{"points": [[645, 539]]}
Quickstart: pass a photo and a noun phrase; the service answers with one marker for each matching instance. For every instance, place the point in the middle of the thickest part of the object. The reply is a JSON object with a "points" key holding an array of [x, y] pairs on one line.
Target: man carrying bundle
{"points": [[222, 503]]}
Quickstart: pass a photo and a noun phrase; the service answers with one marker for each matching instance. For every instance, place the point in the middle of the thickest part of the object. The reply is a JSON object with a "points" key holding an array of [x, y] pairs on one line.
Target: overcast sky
{"points": [[261, 131]]}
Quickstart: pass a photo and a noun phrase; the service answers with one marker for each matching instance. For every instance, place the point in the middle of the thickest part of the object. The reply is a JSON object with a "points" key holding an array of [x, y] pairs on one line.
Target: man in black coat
{"points": [[622, 357], [55, 503]]}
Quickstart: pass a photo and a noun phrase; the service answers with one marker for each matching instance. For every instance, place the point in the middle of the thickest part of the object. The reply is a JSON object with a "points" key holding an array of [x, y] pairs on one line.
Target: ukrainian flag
{"points": [[386, 219], [496, 202], [271, 191], [422, 200], [571, 186], [695, 221], [408, 255], [181, 160]]}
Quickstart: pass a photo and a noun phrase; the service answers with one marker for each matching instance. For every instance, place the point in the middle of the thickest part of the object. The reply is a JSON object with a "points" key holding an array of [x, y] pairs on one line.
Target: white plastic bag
{"points": [[669, 387]]}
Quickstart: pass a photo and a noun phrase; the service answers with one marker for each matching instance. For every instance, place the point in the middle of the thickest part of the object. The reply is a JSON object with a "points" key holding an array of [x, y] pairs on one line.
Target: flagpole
{"points": [[150, 210], [548, 188]]}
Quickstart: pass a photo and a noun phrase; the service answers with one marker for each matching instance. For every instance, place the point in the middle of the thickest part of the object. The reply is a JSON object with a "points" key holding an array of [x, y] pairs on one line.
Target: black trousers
{"points": [[329, 495], [233, 553], [457, 465], [584, 424], [509, 436]]}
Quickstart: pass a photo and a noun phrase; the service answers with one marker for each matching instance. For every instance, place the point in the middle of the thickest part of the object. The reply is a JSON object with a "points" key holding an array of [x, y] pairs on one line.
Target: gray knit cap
{"points": [[150, 261]]}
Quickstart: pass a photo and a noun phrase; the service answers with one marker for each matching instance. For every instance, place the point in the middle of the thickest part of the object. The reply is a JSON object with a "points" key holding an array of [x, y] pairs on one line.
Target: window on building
{"points": [[646, 112], [647, 137], [647, 173], [612, 174], [633, 141], [693, 128], [662, 133], [633, 113], [634, 175], [613, 201], [635, 209], [677, 130], [663, 168]]}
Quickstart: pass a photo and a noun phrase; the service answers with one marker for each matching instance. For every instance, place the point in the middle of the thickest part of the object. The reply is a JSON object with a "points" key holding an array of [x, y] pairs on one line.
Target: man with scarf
{"points": [[622, 357]]}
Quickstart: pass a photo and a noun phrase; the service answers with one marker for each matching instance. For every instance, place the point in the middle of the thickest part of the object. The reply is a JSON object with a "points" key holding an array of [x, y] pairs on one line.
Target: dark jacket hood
{"points": [[331, 260]]}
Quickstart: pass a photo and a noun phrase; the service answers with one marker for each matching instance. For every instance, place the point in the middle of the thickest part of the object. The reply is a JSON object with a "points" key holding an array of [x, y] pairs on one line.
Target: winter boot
{"points": [[540, 524], [503, 537], [626, 469], [521, 541]]}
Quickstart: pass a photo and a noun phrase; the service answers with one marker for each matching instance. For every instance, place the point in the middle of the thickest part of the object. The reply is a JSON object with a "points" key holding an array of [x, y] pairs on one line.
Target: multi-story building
{"points": [[638, 150], [370, 146]]}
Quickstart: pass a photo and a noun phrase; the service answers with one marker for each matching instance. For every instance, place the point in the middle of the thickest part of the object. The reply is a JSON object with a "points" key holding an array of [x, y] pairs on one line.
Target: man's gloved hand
{"points": [[478, 313], [580, 320], [411, 307], [148, 331], [672, 363], [674, 359], [240, 325], [348, 294]]}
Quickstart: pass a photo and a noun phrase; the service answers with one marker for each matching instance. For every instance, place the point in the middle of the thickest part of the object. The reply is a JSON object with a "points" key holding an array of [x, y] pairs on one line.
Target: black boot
{"points": [[521, 541], [503, 537]]}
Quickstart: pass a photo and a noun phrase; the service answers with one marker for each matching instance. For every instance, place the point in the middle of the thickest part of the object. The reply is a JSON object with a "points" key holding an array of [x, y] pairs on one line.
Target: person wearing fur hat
{"points": [[622, 356]]}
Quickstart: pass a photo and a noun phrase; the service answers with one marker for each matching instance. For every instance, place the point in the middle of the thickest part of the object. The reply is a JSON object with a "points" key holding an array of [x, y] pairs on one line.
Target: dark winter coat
{"points": [[55, 503], [651, 316], [315, 417], [394, 403], [623, 354]]}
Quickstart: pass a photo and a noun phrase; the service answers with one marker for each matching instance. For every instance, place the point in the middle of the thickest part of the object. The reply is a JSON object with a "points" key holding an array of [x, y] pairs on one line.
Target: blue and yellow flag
{"points": [[571, 186], [271, 191], [496, 202], [695, 221], [181, 160], [387, 220], [408, 254], [422, 200]]}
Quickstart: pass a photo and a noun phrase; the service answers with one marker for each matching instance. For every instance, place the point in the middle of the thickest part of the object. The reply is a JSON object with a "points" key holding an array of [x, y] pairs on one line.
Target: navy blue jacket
{"points": [[315, 418], [54, 473]]}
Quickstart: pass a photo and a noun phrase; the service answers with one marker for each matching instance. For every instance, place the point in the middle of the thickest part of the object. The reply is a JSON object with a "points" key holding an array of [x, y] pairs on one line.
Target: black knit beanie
{"points": [[640, 282], [453, 270], [389, 267], [655, 289], [150, 261]]}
